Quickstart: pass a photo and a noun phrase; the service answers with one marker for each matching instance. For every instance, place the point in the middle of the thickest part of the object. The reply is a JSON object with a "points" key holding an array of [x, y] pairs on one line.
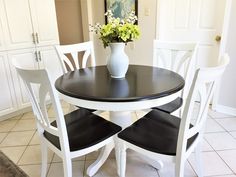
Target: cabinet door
{"points": [[28, 60], [44, 22], [18, 21], [50, 61], [2, 46], [7, 96]]}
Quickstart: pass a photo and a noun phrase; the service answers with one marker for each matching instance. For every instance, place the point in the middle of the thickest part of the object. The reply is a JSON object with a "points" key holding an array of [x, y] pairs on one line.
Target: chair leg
{"points": [[122, 161], [198, 160], [44, 151], [67, 166], [179, 168]]}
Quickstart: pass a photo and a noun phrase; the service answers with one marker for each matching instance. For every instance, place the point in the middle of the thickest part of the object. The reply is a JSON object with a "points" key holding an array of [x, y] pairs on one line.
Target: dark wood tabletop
{"points": [[140, 83]]}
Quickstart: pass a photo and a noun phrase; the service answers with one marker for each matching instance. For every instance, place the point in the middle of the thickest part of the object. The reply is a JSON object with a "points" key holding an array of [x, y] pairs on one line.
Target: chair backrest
{"points": [[41, 79], [176, 56], [73, 50], [203, 86]]}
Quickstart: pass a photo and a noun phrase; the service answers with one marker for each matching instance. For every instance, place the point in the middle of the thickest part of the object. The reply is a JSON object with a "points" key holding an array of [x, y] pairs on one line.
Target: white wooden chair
{"points": [[74, 50], [178, 57], [159, 135], [69, 58], [75, 134]]}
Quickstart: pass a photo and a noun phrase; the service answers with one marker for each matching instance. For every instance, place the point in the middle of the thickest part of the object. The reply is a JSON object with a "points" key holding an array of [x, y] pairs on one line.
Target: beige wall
{"points": [[142, 51], [69, 21]]}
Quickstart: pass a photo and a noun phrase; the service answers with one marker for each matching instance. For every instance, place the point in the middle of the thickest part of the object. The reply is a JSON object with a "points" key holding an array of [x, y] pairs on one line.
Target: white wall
{"points": [[227, 95], [142, 48]]}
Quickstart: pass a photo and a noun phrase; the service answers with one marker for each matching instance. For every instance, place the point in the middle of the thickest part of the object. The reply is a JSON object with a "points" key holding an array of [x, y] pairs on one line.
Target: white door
{"points": [[29, 61], [18, 20], [44, 22], [50, 61], [193, 20], [7, 98]]}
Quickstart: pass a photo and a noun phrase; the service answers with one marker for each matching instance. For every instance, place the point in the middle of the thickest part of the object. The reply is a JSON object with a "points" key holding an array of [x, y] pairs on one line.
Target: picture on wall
{"points": [[121, 8]]}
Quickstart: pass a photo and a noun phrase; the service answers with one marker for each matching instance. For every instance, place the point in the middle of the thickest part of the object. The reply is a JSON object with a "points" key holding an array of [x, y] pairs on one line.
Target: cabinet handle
{"points": [[37, 38], [36, 56], [34, 40], [39, 56]]}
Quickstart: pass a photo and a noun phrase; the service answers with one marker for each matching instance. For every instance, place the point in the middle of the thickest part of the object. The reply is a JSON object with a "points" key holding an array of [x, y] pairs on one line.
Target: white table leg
{"points": [[123, 119], [94, 167]]}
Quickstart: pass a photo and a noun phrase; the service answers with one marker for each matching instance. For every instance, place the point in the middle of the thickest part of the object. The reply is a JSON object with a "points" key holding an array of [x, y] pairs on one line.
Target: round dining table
{"points": [[143, 87]]}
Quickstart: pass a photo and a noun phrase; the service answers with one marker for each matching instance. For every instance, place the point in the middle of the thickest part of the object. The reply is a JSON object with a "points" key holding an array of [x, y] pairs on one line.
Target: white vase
{"points": [[118, 61]]}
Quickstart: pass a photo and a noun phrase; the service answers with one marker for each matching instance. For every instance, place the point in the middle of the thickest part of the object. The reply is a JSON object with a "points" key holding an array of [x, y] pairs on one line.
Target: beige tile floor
{"points": [[20, 142]]}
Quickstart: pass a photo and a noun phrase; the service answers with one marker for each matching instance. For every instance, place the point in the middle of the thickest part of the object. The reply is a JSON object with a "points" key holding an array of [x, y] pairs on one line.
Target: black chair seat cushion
{"points": [[84, 130], [172, 106], [157, 131]]}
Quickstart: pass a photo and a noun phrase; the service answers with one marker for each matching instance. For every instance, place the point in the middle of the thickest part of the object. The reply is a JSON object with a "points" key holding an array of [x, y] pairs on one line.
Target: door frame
{"points": [[215, 104]]}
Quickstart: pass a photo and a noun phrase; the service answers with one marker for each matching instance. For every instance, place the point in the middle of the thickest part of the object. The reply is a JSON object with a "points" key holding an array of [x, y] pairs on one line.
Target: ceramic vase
{"points": [[118, 61]]}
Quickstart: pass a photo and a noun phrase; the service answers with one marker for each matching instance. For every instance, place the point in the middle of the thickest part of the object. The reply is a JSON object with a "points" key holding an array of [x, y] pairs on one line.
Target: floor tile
{"points": [[16, 117], [229, 157], [32, 155], [64, 104], [217, 115], [14, 153], [17, 138], [212, 164], [105, 115], [228, 123], [23, 125], [213, 126], [141, 114], [32, 170], [35, 140], [56, 169], [2, 136], [206, 146], [135, 168], [7, 125], [57, 159], [221, 141], [169, 170], [233, 134], [28, 115], [93, 155], [224, 176]]}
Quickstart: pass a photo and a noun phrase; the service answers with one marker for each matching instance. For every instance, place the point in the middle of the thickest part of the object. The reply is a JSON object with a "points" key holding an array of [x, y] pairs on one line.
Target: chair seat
{"points": [[157, 131], [172, 106], [84, 129]]}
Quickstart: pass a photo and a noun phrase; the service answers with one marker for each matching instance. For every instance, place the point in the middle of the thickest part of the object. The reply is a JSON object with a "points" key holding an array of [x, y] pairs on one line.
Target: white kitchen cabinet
{"points": [[50, 61], [28, 32], [45, 26], [7, 101], [18, 24], [2, 45], [28, 59], [29, 23]]}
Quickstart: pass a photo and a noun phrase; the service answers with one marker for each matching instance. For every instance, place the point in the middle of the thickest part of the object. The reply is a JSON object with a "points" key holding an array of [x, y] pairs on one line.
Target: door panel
{"points": [[7, 101], [27, 58], [44, 21], [50, 61], [18, 20], [193, 20]]}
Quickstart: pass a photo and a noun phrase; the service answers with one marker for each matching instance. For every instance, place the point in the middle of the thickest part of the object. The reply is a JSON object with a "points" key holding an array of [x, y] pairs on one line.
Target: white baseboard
{"points": [[16, 113], [225, 109]]}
